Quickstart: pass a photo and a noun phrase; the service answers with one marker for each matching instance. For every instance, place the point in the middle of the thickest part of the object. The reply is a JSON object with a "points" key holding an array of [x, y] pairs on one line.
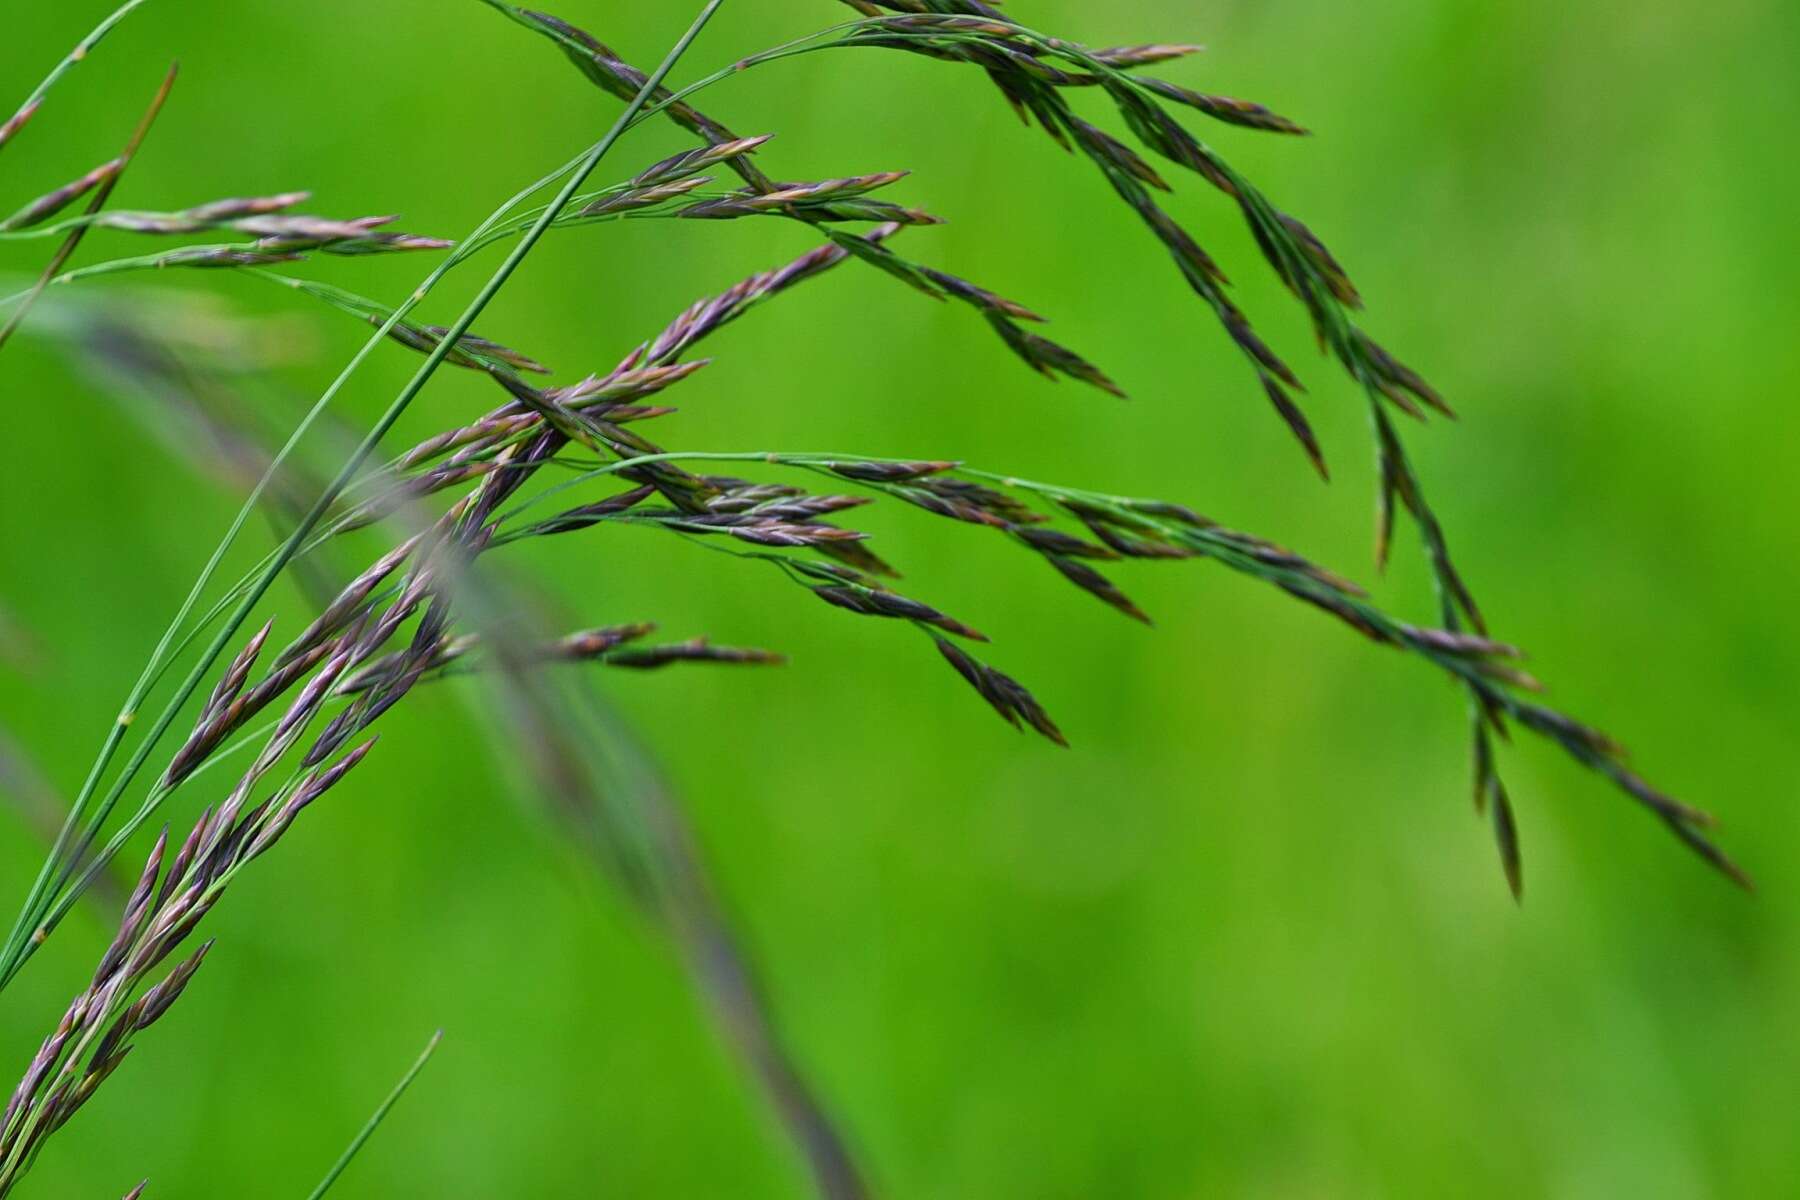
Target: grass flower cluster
{"points": [[275, 720]]}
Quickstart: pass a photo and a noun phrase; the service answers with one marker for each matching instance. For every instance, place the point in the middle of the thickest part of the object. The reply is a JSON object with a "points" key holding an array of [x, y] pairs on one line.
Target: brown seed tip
{"points": [[17, 122]]}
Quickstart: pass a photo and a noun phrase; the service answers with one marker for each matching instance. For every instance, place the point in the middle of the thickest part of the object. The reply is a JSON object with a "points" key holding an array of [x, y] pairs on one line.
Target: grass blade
{"points": [[375, 1119]]}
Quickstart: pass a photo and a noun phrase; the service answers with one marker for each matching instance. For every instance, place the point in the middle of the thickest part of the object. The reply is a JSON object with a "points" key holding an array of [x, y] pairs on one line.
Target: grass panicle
{"points": [[292, 715]]}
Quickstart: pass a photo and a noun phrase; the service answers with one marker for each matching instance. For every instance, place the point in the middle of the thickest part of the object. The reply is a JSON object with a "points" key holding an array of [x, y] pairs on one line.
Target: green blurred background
{"points": [[1246, 938]]}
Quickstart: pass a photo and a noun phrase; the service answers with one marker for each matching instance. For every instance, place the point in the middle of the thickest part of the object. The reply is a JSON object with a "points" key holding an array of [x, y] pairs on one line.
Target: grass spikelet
{"points": [[11, 126], [1126, 58], [1006, 695], [1225, 108], [51, 203]]}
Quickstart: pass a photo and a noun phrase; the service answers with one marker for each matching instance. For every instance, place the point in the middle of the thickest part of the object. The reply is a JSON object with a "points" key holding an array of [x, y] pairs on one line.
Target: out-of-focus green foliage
{"points": [[1246, 937]]}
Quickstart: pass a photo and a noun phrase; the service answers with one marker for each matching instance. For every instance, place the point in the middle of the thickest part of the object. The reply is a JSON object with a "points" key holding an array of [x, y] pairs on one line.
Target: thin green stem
{"points": [[79, 53], [374, 1121]]}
